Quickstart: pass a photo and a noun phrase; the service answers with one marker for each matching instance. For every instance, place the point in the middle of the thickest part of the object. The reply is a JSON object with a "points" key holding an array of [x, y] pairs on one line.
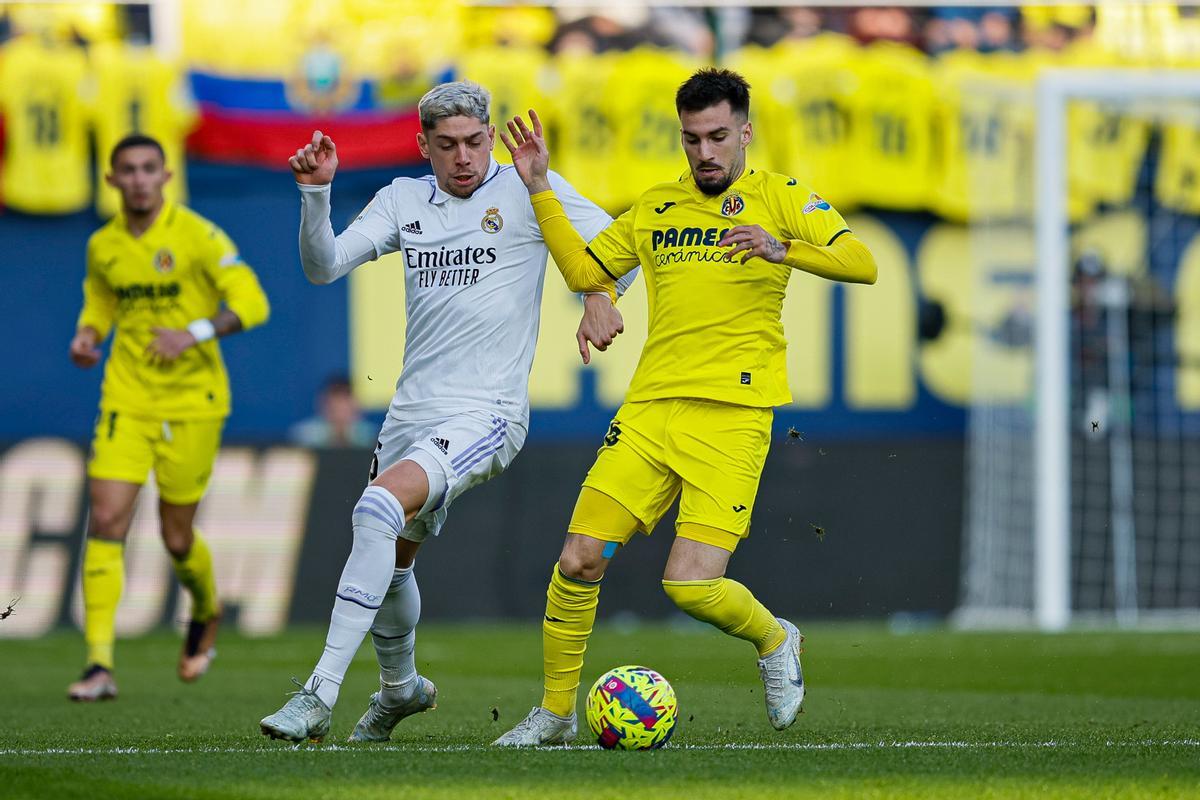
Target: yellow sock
{"points": [[103, 577], [570, 612], [195, 572], [729, 606]]}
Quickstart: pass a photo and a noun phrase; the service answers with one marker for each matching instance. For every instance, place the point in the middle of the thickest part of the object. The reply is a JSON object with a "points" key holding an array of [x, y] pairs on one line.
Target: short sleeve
{"points": [[805, 214], [614, 247], [378, 224]]}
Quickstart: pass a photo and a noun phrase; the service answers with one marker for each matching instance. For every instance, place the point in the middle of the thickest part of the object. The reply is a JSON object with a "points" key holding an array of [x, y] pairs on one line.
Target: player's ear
{"points": [[111, 180], [423, 144], [167, 175], [747, 134], [491, 137]]}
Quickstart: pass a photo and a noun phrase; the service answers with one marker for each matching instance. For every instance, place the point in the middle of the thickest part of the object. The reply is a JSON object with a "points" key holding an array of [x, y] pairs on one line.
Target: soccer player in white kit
{"points": [[474, 267]]}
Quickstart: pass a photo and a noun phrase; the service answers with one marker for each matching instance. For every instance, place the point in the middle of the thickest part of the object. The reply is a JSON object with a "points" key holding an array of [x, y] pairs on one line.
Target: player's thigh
{"points": [[455, 453], [629, 470], [122, 448], [183, 459], [718, 450]]}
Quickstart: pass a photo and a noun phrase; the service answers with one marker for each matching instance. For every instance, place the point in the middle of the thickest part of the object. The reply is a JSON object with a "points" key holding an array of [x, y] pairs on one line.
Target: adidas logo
{"points": [[441, 444], [412, 227]]}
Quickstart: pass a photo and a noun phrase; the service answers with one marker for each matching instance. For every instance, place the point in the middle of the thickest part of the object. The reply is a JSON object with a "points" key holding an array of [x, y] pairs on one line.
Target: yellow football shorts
{"points": [[127, 448], [708, 454]]}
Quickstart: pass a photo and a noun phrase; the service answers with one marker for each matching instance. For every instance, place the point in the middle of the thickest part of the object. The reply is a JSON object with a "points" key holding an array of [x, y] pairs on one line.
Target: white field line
{"points": [[475, 748]]}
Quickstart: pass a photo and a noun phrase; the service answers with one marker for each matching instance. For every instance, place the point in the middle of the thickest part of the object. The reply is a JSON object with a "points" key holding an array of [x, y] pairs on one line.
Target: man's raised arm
{"points": [[579, 269], [324, 257]]}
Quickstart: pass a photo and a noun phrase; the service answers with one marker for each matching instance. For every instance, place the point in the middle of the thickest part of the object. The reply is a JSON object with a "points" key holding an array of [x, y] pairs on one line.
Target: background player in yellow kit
{"points": [[717, 247], [158, 273]]}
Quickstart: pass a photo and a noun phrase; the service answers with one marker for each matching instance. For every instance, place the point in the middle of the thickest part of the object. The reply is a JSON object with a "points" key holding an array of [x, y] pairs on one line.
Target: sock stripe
{"points": [[341, 596], [381, 636], [390, 513], [391, 523], [378, 496]]}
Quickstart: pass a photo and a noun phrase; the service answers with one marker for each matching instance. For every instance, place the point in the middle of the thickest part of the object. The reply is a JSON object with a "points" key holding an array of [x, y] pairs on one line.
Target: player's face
{"points": [[139, 174], [460, 149], [715, 141]]}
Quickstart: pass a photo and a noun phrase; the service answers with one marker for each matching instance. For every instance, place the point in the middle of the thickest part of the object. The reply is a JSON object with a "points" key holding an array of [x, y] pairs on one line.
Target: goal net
{"points": [[1083, 436]]}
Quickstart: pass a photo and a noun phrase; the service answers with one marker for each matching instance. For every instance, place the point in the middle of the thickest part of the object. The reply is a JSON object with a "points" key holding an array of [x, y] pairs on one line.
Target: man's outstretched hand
{"points": [[530, 155]]}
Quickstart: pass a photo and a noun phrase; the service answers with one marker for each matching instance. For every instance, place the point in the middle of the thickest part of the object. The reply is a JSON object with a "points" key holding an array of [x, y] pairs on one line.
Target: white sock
{"points": [[395, 637], [378, 519]]}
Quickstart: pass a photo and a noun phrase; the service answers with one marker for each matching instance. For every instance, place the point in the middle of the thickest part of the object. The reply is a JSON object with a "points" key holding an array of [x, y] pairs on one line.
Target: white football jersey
{"points": [[474, 270]]}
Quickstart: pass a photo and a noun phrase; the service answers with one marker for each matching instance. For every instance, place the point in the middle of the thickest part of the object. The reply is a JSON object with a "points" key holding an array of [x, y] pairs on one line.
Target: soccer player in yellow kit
{"points": [[717, 248], [158, 273]]}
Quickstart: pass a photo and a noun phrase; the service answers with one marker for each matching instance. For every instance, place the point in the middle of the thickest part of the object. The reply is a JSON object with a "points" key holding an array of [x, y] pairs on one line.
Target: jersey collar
{"points": [[437, 196], [165, 216]]}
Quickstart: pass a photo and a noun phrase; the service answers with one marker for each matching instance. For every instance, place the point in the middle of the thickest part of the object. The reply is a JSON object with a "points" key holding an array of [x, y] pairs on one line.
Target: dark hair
{"points": [[709, 86], [136, 140], [337, 383]]}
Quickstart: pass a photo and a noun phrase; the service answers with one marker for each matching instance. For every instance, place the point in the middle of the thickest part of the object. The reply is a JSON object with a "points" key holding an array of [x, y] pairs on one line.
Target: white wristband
{"points": [[202, 330]]}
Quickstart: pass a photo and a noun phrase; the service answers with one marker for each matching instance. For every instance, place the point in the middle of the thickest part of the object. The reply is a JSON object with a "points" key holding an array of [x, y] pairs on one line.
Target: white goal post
{"points": [[1052, 508], [1063, 527]]}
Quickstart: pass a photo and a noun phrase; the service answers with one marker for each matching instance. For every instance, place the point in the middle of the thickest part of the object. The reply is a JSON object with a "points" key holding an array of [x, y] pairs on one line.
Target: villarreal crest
{"points": [[732, 205], [164, 261]]}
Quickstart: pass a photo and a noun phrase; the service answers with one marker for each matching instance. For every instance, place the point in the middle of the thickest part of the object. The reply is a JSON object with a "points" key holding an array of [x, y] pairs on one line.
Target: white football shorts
{"points": [[456, 452]]}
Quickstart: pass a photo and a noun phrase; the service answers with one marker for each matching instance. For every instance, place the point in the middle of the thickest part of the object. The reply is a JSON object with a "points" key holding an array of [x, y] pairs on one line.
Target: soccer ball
{"points": [[631, 708]]}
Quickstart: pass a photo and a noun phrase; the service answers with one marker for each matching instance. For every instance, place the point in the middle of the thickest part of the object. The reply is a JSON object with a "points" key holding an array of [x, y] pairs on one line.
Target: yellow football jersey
{"points": [[1107, 141], [715, 330], [44, 95], [641, 102], [179, 270], [892, 128], [985, 123], [1177, 181], [518, 79], [584, 130], [138, 92], [810, 92]]}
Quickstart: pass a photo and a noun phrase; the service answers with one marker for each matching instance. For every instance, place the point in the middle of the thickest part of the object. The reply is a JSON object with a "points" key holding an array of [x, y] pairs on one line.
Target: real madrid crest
{"points": [[164, 261], [492, 221], [732, 205]]}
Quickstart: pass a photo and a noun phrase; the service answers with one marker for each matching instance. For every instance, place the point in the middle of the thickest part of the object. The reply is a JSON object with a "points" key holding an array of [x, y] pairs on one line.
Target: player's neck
{"points": [[139, 222]]}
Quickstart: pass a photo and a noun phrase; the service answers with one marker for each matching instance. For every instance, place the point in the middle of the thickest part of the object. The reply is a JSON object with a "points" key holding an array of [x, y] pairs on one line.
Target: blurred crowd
{"points": [[914, 109]]}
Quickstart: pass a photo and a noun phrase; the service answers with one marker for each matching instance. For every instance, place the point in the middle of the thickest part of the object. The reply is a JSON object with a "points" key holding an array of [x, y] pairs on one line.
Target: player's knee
{"points": [[581, 565], [108, 521], [178, 543], [378, 515]]}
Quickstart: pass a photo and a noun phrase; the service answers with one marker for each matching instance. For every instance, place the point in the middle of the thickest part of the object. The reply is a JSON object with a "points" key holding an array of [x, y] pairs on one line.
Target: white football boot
{"points": [[783, 681], [538, 729], [302, 717], [378, 720]]}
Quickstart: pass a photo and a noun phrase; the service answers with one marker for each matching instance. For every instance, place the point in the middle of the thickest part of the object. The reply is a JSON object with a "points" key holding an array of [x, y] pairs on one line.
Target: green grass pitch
{"points": [[929, 714]]}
